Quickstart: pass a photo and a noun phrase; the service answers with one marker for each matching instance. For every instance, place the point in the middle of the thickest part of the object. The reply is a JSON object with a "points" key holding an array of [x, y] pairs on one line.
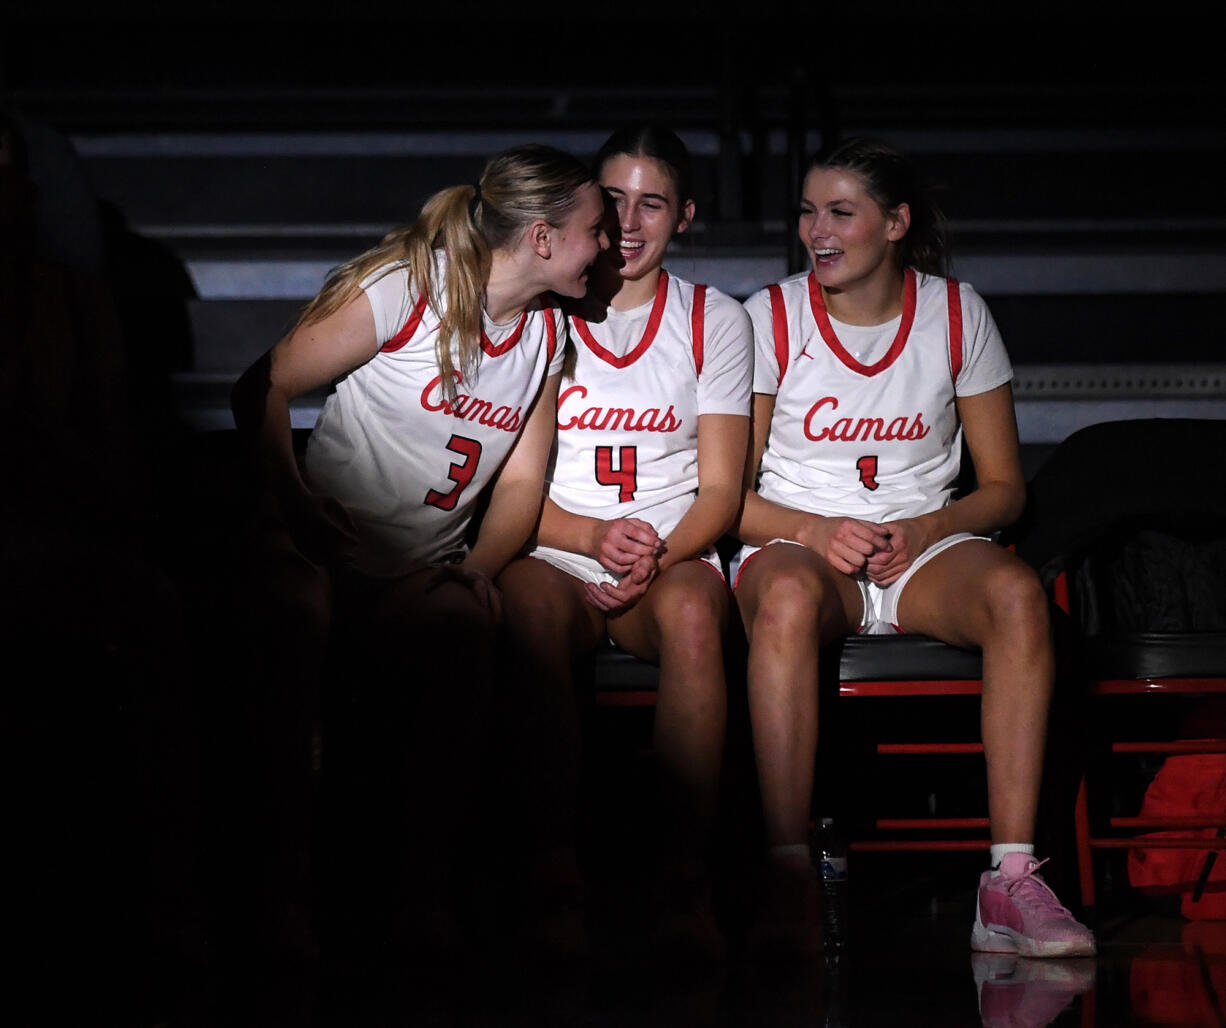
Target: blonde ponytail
{"points": [[467, 223]]}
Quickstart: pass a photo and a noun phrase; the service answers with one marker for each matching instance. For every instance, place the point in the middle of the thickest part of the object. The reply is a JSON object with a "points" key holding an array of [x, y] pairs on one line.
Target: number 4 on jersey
{"points": [[460, 472], [622, 476]]}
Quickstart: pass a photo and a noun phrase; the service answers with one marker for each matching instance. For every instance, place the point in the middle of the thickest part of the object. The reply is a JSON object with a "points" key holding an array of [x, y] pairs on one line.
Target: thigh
{"points": [[951, 597], [789, 580], [420, 607], [690, 597], [543, 605]]}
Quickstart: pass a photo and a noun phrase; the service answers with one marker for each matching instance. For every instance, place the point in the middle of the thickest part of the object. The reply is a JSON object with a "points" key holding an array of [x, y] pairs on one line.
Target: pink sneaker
{"points": [[1017, 912]]}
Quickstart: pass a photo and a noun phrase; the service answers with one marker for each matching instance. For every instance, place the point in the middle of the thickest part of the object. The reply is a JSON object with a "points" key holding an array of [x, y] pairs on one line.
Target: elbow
{"points": [[726, 508], [1013, 502], [249, 394]]}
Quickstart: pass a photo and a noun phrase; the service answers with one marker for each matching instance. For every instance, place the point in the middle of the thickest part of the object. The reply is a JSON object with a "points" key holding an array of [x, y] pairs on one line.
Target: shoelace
{"points": [[1045, 897]]}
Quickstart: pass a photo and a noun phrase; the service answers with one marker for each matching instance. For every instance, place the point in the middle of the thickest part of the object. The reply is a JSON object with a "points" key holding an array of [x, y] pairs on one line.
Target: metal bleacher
{"points": [[1106, 287]]}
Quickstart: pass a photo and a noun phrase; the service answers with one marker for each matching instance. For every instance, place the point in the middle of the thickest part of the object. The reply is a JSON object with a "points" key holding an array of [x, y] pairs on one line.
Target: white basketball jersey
{"points": [[405, 461], [864, 423], [627, 441]]}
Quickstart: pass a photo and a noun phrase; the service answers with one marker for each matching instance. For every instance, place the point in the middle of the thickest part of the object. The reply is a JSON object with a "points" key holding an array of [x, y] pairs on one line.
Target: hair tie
{"points": [[472, 204]]}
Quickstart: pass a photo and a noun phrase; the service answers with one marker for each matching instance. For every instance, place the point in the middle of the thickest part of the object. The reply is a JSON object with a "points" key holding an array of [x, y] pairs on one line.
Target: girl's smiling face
{"points": [[850, 238], [649, 211], [577, 242]]}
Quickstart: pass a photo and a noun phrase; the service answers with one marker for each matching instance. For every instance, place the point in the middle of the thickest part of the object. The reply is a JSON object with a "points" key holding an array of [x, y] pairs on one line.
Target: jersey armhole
{"points": [[697, 323], [406, 330], [551, 335], [955, 330], [779, 326]]}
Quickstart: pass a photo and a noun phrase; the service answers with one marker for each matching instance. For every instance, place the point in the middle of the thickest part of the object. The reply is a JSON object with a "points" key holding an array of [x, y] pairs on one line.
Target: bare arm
{"points": [[990, 425], [846, 543], [615, 543], [723, 441], [310, 356], [516, 500], [619, 542]]}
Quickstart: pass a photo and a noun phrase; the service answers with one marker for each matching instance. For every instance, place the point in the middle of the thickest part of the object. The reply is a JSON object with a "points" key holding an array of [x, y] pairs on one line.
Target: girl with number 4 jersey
{"points": [[652, 431]]}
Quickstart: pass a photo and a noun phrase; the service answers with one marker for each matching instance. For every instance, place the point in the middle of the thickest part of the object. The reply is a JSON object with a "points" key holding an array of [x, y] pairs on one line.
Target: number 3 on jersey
{"points": [[622, 476], [460, 472]]}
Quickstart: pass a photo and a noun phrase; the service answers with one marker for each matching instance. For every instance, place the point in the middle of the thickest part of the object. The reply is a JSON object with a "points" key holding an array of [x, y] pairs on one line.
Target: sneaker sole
{"points": [[994, 938]]}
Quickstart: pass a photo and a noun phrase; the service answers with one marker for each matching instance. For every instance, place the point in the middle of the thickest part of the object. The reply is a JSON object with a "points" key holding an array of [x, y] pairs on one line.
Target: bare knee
{"points": [[789, 605], [1016, 602], [691, 616], [536, 602], [284, 588]]}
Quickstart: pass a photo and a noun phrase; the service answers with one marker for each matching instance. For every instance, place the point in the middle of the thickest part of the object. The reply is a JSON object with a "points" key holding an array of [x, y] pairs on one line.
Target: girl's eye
{"points": [[841, 213]]}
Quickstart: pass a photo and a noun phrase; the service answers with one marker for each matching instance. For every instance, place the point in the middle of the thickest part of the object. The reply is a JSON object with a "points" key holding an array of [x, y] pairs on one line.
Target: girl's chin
{"points": [[637, 271]]}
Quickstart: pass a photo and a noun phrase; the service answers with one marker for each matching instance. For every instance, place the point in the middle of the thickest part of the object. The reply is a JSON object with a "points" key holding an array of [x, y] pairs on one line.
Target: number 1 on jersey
{"points": [[460, 472], [868, 472], [622, 476]]}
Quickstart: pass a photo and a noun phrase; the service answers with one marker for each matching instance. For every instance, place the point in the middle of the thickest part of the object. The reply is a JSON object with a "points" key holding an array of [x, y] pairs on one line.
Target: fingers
{"points": [[599, 599], [641, 533], [887, 568], [862, 537], [443, 574], [624, 541], [612, 598], [634, 536], [486, 593]]}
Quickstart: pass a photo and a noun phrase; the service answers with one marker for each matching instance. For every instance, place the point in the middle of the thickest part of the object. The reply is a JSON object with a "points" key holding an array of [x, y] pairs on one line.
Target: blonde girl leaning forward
{"points": [[446, 355], [652, 431], [870, 367]]}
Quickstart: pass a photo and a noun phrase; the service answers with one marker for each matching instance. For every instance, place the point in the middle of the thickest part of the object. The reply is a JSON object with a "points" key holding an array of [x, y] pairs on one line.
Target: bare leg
{"points": [[679, 624], [549, 623], [283, 606], [792, 602], [424, 647], [977, 594]]}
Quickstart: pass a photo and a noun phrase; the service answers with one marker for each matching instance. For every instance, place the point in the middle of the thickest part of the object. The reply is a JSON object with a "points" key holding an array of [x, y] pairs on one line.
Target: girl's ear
{"points": [[687, 216], [540, 238], [899, 220]]}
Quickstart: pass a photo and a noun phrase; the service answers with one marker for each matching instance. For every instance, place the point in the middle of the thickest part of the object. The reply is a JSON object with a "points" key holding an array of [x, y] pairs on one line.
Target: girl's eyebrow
{"points": [[646, 196]]}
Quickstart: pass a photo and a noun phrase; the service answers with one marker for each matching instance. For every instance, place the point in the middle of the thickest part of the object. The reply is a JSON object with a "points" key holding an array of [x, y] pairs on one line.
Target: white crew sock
{"points": [[1001, 848]]}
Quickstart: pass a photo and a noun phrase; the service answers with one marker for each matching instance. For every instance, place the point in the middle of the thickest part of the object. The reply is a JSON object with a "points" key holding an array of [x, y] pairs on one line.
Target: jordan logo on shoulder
{"points": [[804, 352]]}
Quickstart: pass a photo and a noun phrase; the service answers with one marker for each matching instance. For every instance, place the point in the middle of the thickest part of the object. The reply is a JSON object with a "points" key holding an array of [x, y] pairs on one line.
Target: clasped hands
{"points": [[880, 552], [628, 547]]}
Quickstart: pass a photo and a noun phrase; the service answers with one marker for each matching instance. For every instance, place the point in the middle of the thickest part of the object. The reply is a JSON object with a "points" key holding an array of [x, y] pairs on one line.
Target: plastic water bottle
{"points": [[830, 852]]}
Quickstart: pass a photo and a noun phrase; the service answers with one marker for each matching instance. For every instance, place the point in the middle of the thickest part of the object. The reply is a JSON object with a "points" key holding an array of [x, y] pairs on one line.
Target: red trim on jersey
{"points": [[551, 336], [649, 334], [832, 340], [511, 340], [779, 322], [407, 329], [697, 318], [719, 571], [955, 329]]}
